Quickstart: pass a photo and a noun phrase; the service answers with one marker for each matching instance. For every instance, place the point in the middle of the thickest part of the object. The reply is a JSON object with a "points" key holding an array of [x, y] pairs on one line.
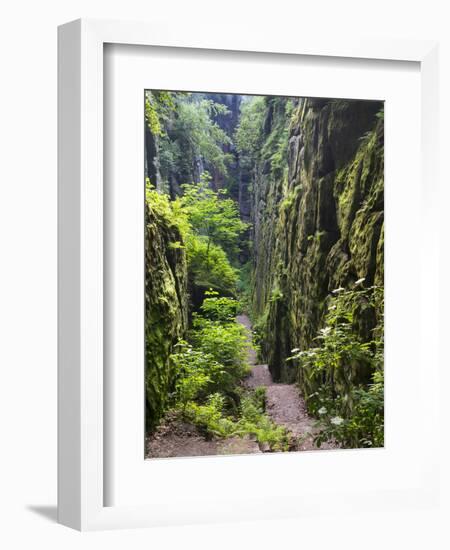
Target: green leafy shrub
{"points": [[196, 372], [365, 426], [213, 215], [209, 370], [209, 416], [219, 308], [349, 408], [171, 211], [215, 359], [253, 421], [226, 343], [275, 436], [209, 266]]}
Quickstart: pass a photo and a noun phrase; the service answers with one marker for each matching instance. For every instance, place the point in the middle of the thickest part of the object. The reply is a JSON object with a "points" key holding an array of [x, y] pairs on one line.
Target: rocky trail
{"points": [[283, 402], [283, 405]]}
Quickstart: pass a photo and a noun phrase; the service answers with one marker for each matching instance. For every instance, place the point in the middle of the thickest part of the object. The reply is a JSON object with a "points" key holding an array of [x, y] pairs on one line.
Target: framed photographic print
{"points": [[264, 275], [235, 319]]}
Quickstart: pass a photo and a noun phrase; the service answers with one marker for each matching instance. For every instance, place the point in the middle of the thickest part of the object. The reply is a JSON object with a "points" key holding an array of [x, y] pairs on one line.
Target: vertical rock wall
{"points": [[165, 308], [317, 224]]}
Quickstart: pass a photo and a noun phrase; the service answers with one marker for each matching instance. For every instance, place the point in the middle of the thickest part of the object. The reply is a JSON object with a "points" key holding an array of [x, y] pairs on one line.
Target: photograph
{"points": [[264, 273], [225, 270]]}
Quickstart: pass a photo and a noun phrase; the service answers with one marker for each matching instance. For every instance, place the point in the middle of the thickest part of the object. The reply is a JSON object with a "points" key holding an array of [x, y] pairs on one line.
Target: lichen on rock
{"points": [[319, 225]]}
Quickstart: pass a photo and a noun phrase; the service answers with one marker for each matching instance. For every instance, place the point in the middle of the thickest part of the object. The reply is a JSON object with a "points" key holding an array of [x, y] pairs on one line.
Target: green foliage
{"points": [[212, 215], [210, 417], [219, 308], [250, 138], [195, 373], [225, 342], [275, 148], [209, 370], [158, 107], [253, 421], [342, 374], [195, 129], [249, 133], [339, 349], [365, 426], [215, 359], [189, 134], [349, 412], [209, 266], [171, 211], [209, 221]]}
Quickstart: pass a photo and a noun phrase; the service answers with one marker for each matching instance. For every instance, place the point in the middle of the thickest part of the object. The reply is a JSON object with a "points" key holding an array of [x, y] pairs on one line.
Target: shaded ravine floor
{"points": [[283, 404], [179, 439]]}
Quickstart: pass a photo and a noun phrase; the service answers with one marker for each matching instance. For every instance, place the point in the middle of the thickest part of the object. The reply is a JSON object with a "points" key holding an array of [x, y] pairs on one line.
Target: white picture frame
{"points": [[81, 465]]}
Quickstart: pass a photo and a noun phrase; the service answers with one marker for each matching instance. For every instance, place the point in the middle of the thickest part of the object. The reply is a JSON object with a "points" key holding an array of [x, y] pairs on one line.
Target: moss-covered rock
{"points": [[165, 307], [319, 224]]}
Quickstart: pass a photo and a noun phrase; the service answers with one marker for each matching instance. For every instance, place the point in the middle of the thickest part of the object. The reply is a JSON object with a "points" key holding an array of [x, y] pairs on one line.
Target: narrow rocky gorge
{"points": [[307, 176], [319, 226], [283, 405]]}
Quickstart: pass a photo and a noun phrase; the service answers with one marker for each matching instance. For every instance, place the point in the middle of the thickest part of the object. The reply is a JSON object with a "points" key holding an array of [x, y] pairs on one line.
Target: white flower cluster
{"points": [[337, 290]]}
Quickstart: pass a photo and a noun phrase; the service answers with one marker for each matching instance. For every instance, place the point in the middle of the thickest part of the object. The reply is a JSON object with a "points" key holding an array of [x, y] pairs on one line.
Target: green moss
{"points": [[319, 226], [165, 305]]}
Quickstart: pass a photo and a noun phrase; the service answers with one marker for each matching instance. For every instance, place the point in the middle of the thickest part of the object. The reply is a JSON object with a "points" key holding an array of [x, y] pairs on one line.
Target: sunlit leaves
{"points": [[212, 214]]}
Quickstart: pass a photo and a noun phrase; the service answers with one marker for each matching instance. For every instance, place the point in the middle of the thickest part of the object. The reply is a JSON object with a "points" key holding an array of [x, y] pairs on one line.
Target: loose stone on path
{"points": [[284, 404]]}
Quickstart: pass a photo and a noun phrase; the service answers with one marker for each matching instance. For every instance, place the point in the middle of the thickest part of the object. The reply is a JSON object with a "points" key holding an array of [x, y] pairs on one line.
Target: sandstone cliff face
{"points": [[165, 308], [317, 225]]}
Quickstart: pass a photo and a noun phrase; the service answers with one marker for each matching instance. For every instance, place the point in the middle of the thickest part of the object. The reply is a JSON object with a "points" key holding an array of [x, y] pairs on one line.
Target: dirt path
{"points": [[174, 438], [283, 402]]}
